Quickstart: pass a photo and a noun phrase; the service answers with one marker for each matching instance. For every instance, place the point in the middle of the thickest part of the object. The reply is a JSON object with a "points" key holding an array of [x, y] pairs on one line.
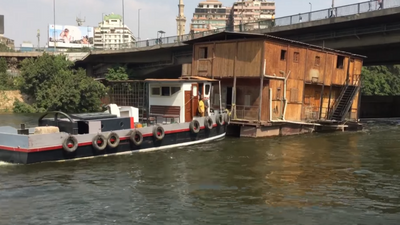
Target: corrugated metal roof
{"points": [[228, 35]]}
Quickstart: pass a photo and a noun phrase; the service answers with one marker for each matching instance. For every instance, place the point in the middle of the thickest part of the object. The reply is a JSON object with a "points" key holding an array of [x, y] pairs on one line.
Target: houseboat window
{"points": [[207, 89], [175, 90], [155, 91], [317, 61], [194, 91], [165, 91], [340, 62], [203, 53], [283, 54], [296, 57]]}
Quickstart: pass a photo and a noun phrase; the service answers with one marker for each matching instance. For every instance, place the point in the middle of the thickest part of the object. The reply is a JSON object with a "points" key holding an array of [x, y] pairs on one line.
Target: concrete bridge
{"points": [[358, 28], [72, 56]]}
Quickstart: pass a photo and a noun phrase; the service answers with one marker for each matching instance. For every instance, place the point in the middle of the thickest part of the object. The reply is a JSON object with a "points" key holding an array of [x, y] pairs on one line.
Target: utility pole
{"points": [[138, 30], [54, 23], [333, 4], [101, 30], [123, 23], [38, 39]]}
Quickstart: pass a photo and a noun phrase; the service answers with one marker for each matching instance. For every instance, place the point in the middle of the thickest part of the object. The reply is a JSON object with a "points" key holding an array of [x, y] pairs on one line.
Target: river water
{"points": [[341, 178]]}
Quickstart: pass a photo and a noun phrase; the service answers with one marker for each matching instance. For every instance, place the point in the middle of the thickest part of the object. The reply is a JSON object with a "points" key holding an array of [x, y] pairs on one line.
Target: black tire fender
{"points": [[70, 140], [158, 132], [208, 123], [103, 142], [113, 136], [219, 119], [194, 126], [136, 137], [227, 119]]}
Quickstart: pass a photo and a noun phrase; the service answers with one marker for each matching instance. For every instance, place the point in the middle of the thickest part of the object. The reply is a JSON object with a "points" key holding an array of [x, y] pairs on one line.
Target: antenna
{"points": [[80, 21]]}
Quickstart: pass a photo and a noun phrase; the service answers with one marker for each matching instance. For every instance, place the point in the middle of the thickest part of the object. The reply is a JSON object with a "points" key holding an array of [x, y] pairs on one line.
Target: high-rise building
{"points": [[246, 12], [209, 15], [112, 33], [181, 19], [7, 42]]}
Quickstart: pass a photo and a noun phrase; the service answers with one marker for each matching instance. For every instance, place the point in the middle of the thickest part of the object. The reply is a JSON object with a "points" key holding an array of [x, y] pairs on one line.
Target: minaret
{"points": [[181, 19]]}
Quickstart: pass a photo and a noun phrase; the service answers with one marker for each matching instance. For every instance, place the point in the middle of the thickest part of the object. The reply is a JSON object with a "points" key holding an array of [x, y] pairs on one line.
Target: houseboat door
{"points": [[195, 98], [188, 106], [207, 95]]}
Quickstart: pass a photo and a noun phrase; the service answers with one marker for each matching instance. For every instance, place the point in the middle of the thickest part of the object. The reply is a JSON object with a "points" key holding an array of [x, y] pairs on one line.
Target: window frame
{"points": [[160, 91], [283, 55], [296, 57]]}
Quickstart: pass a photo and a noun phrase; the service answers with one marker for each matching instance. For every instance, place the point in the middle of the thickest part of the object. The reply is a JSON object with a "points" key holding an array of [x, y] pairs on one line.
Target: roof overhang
{"points": [[228, 35]]}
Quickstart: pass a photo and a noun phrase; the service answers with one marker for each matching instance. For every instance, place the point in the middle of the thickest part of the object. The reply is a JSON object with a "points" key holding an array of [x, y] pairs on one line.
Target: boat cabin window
{"points": [[164, 91], [175, 90], [207, 89], [155, 91], [194, 91]]}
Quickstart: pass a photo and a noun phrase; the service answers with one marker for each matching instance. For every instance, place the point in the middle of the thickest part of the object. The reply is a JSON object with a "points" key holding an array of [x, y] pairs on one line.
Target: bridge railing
{"points": [[259, 26], [256, 27]]}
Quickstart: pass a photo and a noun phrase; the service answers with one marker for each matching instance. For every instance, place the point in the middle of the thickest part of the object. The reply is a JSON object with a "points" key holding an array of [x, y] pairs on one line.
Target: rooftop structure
{"points": [[209, 15], [112, 33], [248, 11]]}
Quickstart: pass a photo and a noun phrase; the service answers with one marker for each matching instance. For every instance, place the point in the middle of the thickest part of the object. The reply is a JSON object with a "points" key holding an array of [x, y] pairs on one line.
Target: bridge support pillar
{"points": [[89, 70]]}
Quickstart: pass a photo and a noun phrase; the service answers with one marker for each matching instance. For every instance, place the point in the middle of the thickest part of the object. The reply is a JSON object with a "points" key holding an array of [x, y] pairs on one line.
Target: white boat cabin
{"points": [[177, 100]]}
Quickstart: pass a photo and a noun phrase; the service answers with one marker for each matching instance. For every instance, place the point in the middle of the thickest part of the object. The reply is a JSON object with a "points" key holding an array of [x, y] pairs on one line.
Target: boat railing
{"points": [[245, 112]]}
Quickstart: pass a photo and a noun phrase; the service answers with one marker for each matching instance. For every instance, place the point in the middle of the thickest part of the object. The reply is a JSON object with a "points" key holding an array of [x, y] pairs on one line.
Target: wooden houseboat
{"points": [[275, 86]]}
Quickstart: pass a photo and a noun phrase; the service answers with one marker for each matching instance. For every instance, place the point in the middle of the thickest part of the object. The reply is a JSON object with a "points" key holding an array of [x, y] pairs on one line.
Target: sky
{"points": [[24, 17]]}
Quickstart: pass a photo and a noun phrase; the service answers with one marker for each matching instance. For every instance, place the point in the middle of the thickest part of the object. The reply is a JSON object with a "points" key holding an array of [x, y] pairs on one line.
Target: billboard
{"points": [[65, 36]]}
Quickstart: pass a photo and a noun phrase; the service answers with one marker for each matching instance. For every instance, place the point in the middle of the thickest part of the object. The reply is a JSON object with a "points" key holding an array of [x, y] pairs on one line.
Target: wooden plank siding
{"points": [[315, 79], [248, 59], [315, 67], [224, 61], [340, 74], [202, 65], [274, 60]]}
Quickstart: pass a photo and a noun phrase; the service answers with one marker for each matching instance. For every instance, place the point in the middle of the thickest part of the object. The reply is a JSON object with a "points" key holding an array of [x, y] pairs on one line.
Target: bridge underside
{"points": [[374, 34]]}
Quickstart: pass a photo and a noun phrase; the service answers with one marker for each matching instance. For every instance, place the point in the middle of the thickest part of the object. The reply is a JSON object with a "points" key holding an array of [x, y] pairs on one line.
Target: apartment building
{"points": [[112, 33], [209, 15], [7, 42], [247, 12]]}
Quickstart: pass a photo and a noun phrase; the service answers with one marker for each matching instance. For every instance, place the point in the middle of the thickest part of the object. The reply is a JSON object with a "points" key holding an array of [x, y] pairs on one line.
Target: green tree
{"points": [[381, 80], [54, 85], [117, 73], [5, 48], [3, 65], [6, 80]]}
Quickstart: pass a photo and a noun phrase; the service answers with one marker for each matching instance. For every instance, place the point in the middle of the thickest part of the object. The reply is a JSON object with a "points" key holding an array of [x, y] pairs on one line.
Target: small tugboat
{"points": [[173, 121]]}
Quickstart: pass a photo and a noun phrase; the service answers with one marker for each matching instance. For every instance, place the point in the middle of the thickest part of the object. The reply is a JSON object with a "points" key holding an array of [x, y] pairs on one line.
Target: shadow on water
{"points": [[341, 178]]}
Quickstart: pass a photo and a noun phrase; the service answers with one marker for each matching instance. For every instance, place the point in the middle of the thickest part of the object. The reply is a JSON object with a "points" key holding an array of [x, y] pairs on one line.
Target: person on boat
{"points": [[201, 107]]}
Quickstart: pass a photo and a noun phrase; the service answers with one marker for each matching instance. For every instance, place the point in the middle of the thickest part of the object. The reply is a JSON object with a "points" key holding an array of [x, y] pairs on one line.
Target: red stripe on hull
{"points": [[50, 148]]}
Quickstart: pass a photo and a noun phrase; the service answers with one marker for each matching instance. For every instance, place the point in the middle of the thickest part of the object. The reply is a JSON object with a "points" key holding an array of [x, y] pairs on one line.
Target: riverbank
{"points": [[7, 99]]}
